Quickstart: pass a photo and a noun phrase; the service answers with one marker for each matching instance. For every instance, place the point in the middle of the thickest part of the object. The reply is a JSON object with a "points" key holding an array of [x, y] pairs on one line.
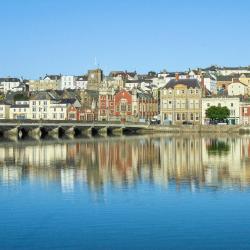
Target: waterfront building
{"points": [[232, 103], [124, 102], [4, 110], [89, 101], [181, 101], [106, 104], [20, 110], [147, 105], [245, 113]]}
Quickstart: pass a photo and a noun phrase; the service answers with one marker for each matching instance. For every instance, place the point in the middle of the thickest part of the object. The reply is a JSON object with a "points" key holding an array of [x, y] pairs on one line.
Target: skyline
{"points": [[66, 37]]}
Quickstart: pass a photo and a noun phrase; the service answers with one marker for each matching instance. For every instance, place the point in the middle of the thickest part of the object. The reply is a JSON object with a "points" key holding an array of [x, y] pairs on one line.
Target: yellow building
{"points": [[245, 78], [181, 102]]}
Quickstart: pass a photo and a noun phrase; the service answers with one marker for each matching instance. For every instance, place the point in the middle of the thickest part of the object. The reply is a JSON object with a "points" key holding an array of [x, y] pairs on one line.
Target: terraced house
{"points": [[181, 102]]}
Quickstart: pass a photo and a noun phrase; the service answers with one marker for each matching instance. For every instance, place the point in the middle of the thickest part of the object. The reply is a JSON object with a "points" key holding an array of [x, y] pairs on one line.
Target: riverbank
{"points": [[196, 129]]}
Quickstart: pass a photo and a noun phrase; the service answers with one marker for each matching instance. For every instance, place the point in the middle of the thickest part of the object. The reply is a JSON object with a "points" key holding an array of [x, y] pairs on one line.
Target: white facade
{"points": [[233, 104], [237, 88], [131, 84], [8, 84], [20, 110], [67, 82], [47, 110], [80, 82], [4, 111], [210, 84], [230, 71]]}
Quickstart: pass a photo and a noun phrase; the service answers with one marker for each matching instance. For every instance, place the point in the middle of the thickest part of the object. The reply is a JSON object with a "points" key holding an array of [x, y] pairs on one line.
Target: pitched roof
{"points": [[53, 77], [9, 79], [190, 83]]}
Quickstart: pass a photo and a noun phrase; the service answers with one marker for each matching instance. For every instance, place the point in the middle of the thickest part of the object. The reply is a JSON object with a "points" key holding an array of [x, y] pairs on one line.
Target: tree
{"points": [[217, 113]]}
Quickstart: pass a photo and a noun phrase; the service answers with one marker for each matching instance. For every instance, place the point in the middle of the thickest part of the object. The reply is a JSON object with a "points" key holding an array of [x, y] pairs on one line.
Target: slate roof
{"points": [[9, 79], [20, 106], [53, 77], [190, 83]]}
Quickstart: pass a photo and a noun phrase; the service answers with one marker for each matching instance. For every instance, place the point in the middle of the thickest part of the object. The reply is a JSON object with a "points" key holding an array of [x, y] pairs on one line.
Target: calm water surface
{"points": [[146, 192]]}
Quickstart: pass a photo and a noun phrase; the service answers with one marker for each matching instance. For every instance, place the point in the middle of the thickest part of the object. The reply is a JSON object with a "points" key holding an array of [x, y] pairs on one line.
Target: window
{"points": [[54, 109], [34, 102], [45, 116], [232, 104], [197, 117], [34, 109], [123, 106], [62, 109], [191, 116], [245, 110], [54, 116], [208, 104], [183, 91], [62, 116], [183, 117], [178, 117], [129, 107], [34, 116], [45, 102]]}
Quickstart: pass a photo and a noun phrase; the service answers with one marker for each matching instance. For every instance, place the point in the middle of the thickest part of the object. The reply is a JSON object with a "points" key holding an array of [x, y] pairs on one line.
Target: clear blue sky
{"points": [[64, 36]]}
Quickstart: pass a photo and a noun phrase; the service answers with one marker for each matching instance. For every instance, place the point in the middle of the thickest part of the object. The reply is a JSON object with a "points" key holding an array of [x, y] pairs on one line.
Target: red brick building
{"points": [[123, 106], [245, 113]]}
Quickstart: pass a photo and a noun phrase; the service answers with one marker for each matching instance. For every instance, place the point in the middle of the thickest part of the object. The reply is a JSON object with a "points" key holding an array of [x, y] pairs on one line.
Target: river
{"points": [[131, 192]]}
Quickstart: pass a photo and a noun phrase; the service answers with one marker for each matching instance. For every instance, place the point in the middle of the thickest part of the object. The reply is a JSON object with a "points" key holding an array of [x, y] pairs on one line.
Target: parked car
{"points": [[187, 123], [154, 121]]}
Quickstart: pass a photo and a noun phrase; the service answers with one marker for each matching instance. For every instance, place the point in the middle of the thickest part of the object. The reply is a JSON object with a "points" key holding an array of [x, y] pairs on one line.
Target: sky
{"points": [[72, 36]]}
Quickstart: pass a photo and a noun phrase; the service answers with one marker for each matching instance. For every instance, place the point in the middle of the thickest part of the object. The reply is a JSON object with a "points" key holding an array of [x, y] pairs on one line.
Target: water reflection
{"points": [[193, 161]]}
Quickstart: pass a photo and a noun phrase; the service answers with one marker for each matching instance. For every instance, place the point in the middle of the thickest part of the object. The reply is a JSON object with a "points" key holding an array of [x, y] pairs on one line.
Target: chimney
{"points": [[176, 76], [202, 84], [235, 80]]}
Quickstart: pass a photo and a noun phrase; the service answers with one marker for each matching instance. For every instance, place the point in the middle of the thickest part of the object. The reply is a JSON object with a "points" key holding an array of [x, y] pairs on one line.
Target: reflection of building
{"points": [[192, 161]]}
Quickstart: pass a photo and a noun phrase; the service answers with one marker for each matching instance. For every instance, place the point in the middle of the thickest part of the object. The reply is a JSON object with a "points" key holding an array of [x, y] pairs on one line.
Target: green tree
{"points": [[217, 113]]}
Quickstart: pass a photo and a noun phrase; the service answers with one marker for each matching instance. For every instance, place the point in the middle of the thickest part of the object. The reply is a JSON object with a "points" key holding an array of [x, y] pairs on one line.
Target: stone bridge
{"points": [[40, 129]]}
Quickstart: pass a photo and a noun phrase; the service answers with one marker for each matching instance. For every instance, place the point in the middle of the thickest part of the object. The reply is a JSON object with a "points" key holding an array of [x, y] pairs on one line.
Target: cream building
{"points": [[4, 110], [237, 89], [181, 102]]}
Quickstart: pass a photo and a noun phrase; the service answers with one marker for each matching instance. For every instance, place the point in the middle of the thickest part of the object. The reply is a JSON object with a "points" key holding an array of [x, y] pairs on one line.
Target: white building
{"points": [[232, 103], [67, 82], [81, 82], [8, 84], [237, 89], [233, 70], [210, 83], [20, 110]]}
